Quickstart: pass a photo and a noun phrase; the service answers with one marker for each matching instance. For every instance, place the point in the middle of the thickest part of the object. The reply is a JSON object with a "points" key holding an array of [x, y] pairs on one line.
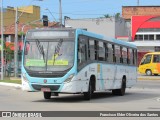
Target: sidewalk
{"points": [[145, 77], [18, 86], [148, 78]]}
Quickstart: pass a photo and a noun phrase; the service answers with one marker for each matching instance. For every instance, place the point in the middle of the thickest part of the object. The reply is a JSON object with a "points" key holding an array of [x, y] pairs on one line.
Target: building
{"points": [[25, 14], [110, 27], [145, 27]]}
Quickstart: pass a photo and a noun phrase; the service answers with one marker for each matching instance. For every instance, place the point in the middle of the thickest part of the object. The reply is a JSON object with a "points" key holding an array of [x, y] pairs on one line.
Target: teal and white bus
{"points": [[76, 61]]}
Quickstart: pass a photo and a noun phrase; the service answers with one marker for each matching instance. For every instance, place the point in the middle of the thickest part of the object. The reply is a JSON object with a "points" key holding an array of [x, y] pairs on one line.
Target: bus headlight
{"points": [[24, 78], [69, 78]]}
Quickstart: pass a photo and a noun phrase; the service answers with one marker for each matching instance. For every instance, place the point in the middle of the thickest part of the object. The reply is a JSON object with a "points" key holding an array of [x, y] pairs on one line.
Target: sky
{"points": [[79, 9]]}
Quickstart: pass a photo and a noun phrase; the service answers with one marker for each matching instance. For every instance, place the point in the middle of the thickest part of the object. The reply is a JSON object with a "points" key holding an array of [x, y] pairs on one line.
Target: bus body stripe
{"points": [[101, 77]]}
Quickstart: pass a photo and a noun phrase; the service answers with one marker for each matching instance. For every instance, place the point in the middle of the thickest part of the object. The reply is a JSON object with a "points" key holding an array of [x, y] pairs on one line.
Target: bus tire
{"points": [[47, 95], [148, 72], [156, 74], [87, 95], [122, 90]]}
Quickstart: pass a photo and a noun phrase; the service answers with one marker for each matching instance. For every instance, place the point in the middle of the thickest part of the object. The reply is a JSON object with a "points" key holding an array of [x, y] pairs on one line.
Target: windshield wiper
{"points": [[41, 49], [57, 50]]}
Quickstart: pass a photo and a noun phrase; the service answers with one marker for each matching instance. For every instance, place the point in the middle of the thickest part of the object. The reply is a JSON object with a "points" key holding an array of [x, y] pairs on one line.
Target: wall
{"points": [[30, 13], [128, 11], [144, 22], [121, 28], [105, 26]]}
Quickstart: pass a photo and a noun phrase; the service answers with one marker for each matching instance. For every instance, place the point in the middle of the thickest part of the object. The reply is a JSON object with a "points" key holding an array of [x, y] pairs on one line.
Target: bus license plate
{"points": [[46, 89]]}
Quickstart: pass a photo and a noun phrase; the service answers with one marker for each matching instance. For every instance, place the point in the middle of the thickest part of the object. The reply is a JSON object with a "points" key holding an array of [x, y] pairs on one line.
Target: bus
{"points": [[76, 61], [150, 64]]}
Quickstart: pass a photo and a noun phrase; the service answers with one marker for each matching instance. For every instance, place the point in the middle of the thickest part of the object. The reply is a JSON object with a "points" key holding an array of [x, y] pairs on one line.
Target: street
{"points": [[145, 96]]}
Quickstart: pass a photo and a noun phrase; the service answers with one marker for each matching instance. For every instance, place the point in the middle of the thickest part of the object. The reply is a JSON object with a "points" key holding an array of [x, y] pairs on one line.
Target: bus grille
{"points": [[46, 75], [52, 87]]}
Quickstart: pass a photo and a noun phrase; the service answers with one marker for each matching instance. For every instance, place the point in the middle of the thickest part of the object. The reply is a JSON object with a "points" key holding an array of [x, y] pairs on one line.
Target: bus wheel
{"points": [[47, 95], [122, 90], [156, 74], [148, 72], [87, 95]]}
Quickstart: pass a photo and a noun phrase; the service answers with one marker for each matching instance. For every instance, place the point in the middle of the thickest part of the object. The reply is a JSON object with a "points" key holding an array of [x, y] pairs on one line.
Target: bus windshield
{"points": [[49, 55]]}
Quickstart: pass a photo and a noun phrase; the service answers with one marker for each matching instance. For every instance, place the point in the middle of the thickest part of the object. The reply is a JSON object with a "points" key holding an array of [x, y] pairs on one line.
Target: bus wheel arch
{"points": [[91, 88], [122, 90], [148, 72], [93, 82]]}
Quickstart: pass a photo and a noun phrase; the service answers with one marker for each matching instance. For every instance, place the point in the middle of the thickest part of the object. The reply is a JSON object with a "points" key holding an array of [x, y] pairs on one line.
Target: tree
{"points": [[107, 16], [8, 53], [117, 15]]}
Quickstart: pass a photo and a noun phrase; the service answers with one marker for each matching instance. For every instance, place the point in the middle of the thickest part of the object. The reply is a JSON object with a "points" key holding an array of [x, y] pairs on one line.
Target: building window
{"points": [[140, 37], [157, 37], [151, 37], [157, 49], [146, 37], [136, 37]]}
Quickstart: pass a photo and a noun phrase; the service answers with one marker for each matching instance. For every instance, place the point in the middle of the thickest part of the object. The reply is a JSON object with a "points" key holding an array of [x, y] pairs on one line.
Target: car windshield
{"points": [[49, 55]]}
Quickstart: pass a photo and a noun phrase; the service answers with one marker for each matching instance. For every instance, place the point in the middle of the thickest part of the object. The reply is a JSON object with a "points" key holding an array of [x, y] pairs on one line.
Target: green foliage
{"points": [[7, 80], [21, 33], [107, 16], [117, 15]]}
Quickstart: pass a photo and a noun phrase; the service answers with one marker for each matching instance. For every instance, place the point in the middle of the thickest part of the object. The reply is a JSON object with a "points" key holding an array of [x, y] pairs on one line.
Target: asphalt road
{"points": [[145, 96]]}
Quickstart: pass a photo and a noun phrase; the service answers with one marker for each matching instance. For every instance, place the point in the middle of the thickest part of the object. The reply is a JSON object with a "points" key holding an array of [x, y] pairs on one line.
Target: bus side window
{"points": [[117, 54], [114, 57], [82, 50], [101, 51], [135, 57], [146, 60], [106, 51], [121, 54], [124, 55], [156, 58], [110, 53], [92, 49]]}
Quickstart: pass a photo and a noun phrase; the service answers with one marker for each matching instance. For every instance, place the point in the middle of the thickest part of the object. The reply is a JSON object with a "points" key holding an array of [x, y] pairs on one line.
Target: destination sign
{"points": [[49, 34]]}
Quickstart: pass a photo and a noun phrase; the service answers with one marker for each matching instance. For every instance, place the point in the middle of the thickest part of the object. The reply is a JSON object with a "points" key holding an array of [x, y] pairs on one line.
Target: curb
{"points": [[148, 78], [11, 85]]}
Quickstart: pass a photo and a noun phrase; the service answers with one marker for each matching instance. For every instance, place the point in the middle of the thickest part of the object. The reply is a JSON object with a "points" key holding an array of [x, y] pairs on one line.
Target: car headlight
{"points": [[69, 78], [24, 77]]}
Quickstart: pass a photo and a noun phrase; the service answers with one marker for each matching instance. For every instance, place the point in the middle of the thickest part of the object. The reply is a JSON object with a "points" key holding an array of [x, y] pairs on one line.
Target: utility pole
{"points": [[60, 13], [137, 2], [15, 43], [2, 40]]}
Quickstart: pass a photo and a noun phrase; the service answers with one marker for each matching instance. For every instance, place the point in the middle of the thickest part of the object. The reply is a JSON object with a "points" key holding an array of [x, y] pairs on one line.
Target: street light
{"points": [[2, 59], [16, 38], [22, 37]]}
